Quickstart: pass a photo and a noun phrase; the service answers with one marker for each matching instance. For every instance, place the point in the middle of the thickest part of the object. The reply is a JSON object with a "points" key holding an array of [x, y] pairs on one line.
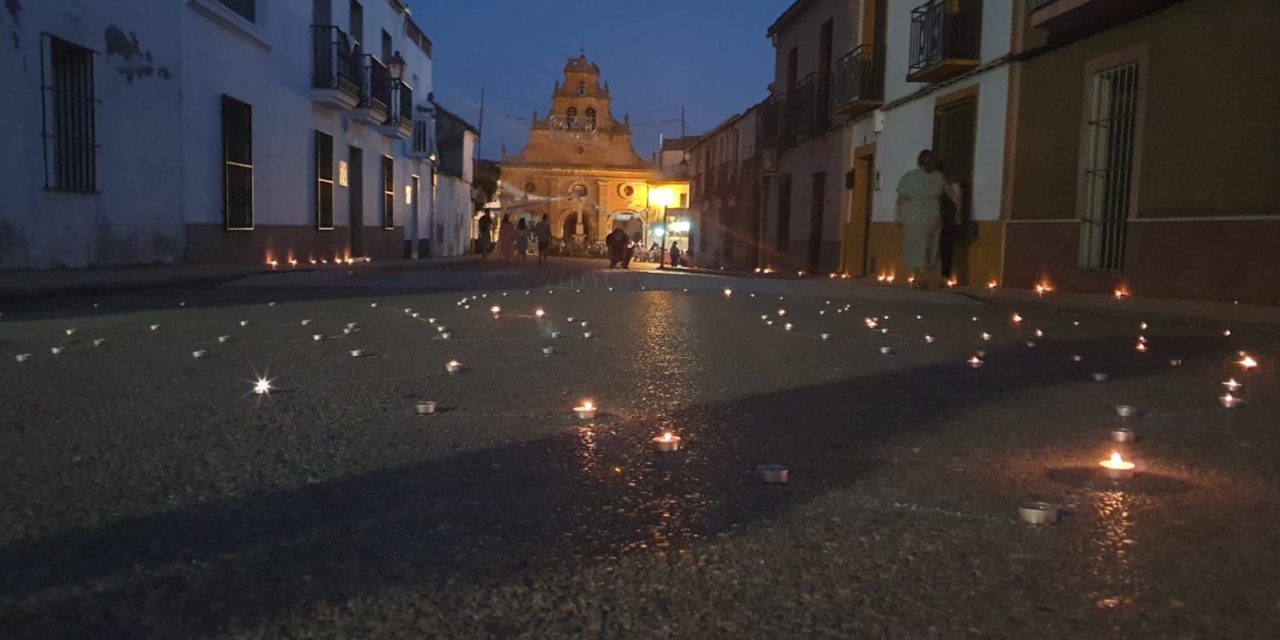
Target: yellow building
{"points": [[580, 169]]}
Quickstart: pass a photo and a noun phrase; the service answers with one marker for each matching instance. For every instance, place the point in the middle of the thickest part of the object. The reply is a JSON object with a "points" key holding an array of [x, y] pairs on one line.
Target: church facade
{"points": [[580, 169]]}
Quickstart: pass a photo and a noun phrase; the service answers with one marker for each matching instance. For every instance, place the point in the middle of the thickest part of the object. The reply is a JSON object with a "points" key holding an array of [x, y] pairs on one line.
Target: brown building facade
{"points": [[1146, 149]]}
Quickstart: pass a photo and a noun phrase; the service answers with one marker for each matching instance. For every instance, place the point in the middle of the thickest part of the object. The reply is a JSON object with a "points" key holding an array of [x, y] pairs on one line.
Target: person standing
{"points": [[507, 238], [522, 239], [542, 231], [616, 242], [953, 223], [919, 216], [486, 235], [675, 254]]}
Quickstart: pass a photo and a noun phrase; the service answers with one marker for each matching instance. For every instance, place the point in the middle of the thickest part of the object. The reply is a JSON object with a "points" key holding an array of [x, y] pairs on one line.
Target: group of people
{"points": [[513, 239], [930, 214]]}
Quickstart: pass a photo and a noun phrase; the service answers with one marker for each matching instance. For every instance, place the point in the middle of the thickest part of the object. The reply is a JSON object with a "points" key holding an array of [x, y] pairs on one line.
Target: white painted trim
{"points": [[220, 14]]}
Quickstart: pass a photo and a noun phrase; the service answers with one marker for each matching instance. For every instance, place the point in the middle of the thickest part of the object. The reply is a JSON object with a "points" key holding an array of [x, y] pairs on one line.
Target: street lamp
{"points": [[395, 66]]}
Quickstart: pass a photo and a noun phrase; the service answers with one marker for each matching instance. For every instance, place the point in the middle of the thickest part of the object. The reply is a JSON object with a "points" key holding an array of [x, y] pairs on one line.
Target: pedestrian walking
{"points": [[486, 234], [522, 239], [507, 238], [919, 216], [542, 231]]}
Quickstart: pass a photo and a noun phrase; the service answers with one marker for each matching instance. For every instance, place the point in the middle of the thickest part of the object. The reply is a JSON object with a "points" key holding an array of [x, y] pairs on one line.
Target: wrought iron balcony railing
{"points": [[946, 39], [859, 81], [334, 62]]}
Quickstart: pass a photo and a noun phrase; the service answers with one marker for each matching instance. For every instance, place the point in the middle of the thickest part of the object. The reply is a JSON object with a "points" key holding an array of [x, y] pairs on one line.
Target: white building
{"points": [[945, 87], [212, 131]]}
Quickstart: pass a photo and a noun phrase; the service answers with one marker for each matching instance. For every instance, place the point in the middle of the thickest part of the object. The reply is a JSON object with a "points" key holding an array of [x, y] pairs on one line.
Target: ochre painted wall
{"points": [[980, 260]]}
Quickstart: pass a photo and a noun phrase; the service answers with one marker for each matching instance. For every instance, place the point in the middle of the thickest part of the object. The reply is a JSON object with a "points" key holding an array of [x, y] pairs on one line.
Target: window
{"points": [[386, 46], [793, 68], [1108, 175], [70, 138], [570, 117], [582, 88], [237, 164], [246, 9], [324, 181], [530, 187], [388, 193], [356, 18], [684, 201], [591, 119]]}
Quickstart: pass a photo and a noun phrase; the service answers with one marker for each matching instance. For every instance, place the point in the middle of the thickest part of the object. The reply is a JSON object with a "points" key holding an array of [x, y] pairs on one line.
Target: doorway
{"points": [[955, 124], [857, 229], [817, 211], [356, 193]]}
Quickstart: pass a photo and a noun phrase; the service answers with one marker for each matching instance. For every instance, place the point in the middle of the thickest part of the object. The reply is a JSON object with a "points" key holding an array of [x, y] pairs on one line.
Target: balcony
{"points": [[946, 39], [1060, 16], [335, 77], [376, 95], [808, 110], [399, 122], [770, 124], [859, 82]]}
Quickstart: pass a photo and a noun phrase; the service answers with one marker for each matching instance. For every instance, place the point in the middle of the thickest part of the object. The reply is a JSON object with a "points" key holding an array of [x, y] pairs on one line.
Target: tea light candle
{"points": [[569, 319], [71, 332], [728, 293], [98, 342], [975, 362], [373, 305], [825, 336], [1230, 401], [986, 337], [446, 336], [357, 353], [930, 339], [1123, 434], [415, 315], [440, 328], [772, 474], [1175, 362], [788, 326], [22, 357], [1117, 468], [154, 327], [1031, 344], [495, 310], [55, 350], [587, 335], [548, 351], [244, 323], [782, 312], [585, 411], [1127, 411], [667, 443], [538, 313], [1039, 333], [555, 334], [585, 324], [886, 351], [1246, 361], [315, 336], [1141, 347], [199, 353], [1099, 376], [1232, 385], [1017, 318], [1038, 513], [1077, 358], [425, 407], [453, 366]]}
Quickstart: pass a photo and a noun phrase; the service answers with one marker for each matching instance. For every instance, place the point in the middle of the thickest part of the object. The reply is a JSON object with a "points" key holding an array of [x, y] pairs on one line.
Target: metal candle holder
{"points": [[1123, 434], [586, 411], [666, 443], [1038, 513], [771, 474]]}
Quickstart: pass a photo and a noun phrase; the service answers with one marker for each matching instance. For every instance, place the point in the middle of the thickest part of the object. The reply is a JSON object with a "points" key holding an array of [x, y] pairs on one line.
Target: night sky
{"points": [[709, 56]]}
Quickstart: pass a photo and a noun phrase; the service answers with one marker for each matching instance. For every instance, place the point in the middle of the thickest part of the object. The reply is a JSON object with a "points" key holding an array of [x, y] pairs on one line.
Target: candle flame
{"points": [[1017, 318], [986, 336], [668, 437], [992, 284], [262, 386], [587, 405], [1117, 462], [1247, 362], [495, 310], [1120, 292]]}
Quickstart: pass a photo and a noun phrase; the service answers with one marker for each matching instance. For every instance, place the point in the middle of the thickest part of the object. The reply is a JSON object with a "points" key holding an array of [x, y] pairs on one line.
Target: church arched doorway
{"points": [[569, 228]]}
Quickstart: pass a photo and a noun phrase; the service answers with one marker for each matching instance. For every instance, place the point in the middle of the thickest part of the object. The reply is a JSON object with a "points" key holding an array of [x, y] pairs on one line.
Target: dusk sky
{"points": [[709, 56]]}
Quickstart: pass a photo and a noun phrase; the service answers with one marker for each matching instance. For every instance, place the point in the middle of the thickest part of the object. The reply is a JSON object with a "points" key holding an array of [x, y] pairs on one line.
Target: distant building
{"points": [[211, 131], [673, 157], [451, 231], [580, 169], [803, 146], [725, 177]]}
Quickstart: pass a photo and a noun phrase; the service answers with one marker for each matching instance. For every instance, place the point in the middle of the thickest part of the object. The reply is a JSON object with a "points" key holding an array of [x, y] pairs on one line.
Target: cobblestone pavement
{"points": [[150, 493]]}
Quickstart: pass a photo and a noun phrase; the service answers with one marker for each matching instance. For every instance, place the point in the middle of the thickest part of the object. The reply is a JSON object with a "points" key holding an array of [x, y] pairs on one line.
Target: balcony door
{"points": [[356, 193]]}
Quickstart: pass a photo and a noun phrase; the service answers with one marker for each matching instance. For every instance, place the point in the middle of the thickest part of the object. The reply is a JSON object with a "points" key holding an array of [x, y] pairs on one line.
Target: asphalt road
{"points": [[147, 493]]}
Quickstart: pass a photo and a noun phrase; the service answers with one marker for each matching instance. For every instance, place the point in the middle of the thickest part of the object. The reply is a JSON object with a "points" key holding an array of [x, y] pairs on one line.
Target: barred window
{"points": [[324, 181], [1112, 129], [70, 135], [247, 9], [237, 164], [388, 193]]}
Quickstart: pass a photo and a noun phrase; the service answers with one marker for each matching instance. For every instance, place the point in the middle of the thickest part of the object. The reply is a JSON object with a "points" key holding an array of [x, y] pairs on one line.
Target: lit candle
{"points": [[986, 336], [415, 315], [425, 407], [992, 284], [1141, 347], [667, 443], [1077, 358], [548, 351], [1031, 344], [1118, 468], [1017, 318], [782, 312], [1247, 361], [585, 324], [1126, 411], [373, 305], [305, 322], [71, 332], [929, 339], [98, 342], [1232, 385], [55, 350], [453, 366], [1039, 333], [1226, 333], [788, 326], [951, 283], [199, 353], [555, 334], [1230, 401], [262, 386], [1120, 293], [538, 313], [155, 327], [585, 411], [587, 335], [975, 362], [446, 335], [1099, 376], [1175, 362], [357, 353], [1142, 327], [22, 357], [569, 319], [244, 323], [728, 293], [495, 309], [886, 351]]}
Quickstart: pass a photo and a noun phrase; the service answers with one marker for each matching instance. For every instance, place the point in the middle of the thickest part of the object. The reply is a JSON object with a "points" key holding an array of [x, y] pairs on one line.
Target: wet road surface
{"points": [[148, 493]]}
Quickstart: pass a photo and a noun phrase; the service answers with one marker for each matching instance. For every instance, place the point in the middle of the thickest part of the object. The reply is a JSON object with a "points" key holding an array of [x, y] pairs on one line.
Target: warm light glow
{"points": [[668, 437], [662, 197], [273, 263], [262, 386], [1118, 463], [986, 336], [782, 312], [1141, 347], [1229, 401], [539, 313], [1043, 287], [975, 362], [1232, 385], [1120, 292], [1017, 318], [1039, 333], [911, 279], [1247, 361], [890, 278], [495, 309], [1142, 327], [1226, 333], [952, 282], [586, 405], [992, 284], [728, 292], [293, 262]]}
